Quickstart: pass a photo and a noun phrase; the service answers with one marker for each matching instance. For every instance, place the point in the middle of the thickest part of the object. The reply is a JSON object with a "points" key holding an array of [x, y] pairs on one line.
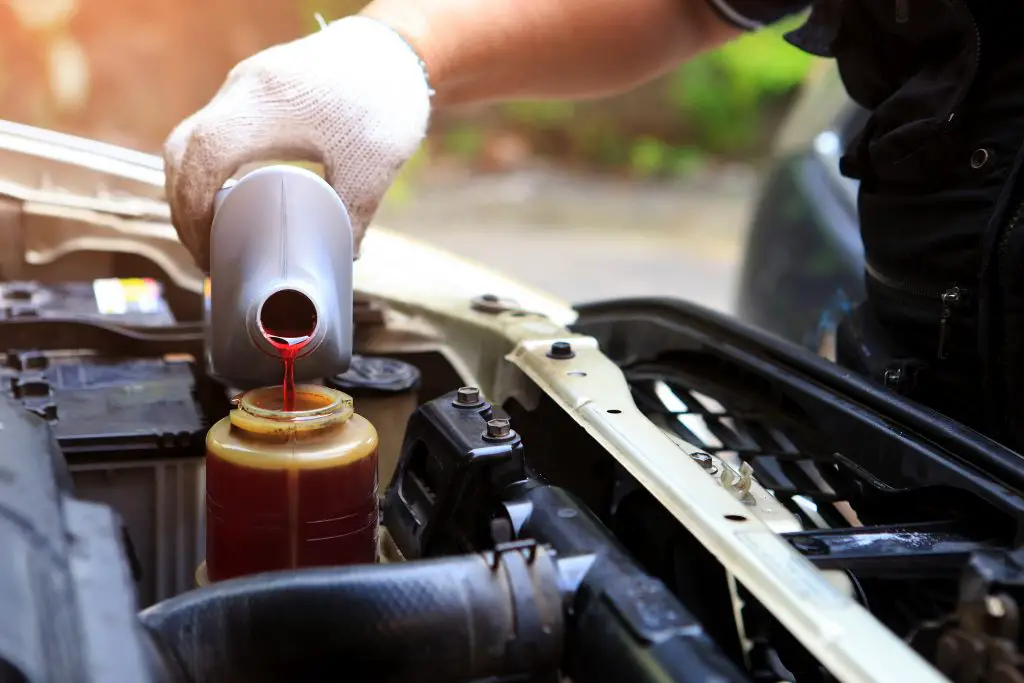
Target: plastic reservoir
{"points": [[290, 489]]}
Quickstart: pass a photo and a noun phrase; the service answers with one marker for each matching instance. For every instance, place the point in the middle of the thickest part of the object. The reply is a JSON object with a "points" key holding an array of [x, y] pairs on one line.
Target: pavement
{"points": [[587, 239]]}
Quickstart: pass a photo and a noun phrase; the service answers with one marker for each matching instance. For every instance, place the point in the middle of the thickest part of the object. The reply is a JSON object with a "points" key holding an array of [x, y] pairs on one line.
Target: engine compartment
{"points": [[532, 553], [677, 497]]}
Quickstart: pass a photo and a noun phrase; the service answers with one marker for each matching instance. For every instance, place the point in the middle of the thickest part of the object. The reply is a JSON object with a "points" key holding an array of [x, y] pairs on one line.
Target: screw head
{"points": [[492, 303], [561, 350], [467, 396], [703, 459], [499, 428]]}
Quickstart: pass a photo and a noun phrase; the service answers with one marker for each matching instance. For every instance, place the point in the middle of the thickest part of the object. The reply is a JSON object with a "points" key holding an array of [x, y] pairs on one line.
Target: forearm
{"points": [[484, 50]]}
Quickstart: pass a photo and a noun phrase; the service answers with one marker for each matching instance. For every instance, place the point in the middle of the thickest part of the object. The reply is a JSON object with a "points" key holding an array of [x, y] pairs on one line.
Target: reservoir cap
{"points": [[377, 376]]}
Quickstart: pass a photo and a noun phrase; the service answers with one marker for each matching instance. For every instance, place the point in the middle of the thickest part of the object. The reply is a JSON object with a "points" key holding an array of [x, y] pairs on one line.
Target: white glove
{"points": [[353, 96]]}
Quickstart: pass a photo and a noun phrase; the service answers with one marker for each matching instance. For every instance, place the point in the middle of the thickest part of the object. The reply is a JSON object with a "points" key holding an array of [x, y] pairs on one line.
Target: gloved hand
{"points": [[353, 96]]}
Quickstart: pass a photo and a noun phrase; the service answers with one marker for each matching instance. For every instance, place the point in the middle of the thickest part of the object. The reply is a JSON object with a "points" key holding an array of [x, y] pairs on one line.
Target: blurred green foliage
{"points": [[543, 113], [464, 140], [653, 157], [723, 103], [724, 92]]}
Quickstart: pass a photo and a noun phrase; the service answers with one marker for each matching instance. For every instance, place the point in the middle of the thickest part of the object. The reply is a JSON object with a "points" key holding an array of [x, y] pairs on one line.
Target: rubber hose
{"points": [[432, 621]]}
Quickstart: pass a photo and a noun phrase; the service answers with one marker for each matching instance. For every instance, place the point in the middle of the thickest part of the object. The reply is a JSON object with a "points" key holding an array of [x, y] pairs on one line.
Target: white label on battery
{"points": [[127, 295], [110, 298]]}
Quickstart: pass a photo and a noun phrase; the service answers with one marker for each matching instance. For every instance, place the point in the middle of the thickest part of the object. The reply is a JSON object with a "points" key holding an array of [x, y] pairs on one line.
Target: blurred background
{"points": [[647, 193]]}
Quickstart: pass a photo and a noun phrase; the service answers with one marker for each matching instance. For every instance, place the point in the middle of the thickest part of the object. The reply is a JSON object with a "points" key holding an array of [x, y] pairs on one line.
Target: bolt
{"points": [[492, 303], [561, 350], [499, 428], [467, 396], [703, 459]]}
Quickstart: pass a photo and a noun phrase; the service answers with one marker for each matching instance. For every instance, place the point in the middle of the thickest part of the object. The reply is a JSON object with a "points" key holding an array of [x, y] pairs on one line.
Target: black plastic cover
{"points": [[448, 471], [377, 376], [450, 484], [137, 408], [68, 604]]}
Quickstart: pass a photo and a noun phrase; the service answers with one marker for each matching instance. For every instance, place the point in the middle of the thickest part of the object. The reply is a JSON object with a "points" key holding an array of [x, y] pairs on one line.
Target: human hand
{"points": [[353, 96]]}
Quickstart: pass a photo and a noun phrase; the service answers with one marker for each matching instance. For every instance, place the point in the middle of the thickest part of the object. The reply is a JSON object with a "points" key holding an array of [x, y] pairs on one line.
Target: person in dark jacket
{"points": [[937, 161]]}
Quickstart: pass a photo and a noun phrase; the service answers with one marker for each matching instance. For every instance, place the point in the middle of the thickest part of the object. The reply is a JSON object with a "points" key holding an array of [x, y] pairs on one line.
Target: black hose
{"points": [[624, 625], [453, 619]]}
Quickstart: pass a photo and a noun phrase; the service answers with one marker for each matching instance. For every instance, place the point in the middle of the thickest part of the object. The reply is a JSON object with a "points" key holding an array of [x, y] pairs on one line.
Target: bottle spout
{"points": [[281, 279], [287, 316]]}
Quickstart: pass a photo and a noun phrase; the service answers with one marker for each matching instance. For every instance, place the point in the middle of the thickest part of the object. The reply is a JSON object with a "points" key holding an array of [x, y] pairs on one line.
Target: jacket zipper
{"points": [[977, 59], [950, 298]]}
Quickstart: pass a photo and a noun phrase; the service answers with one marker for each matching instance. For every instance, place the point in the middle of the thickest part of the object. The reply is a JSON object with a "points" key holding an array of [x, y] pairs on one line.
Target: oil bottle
{"points": [[281, 254], [290, 488]]}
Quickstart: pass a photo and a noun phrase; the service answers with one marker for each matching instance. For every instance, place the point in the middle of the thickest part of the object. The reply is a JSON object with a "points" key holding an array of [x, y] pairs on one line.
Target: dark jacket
{"points": [[939, 199]]}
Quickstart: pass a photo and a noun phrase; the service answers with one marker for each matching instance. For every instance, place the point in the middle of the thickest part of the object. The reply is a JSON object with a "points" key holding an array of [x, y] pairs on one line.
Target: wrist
{"points": [[391, 34], [409, 22]]}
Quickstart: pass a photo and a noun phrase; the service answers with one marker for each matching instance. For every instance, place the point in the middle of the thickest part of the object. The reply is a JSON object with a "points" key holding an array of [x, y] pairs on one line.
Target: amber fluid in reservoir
{"points": [[290, 488]]}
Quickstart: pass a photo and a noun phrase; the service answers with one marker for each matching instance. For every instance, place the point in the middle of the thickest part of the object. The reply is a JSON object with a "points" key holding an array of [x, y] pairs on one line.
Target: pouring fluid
{"points": [[291, 473], [288, 321], [289, 348]]}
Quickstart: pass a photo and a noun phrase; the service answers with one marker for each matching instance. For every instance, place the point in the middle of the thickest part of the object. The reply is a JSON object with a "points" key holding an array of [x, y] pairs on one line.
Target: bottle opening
{"points": [[287, 317], [307, 402]]}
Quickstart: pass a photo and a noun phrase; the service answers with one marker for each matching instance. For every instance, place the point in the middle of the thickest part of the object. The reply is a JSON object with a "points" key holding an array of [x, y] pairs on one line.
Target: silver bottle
{"points": [[281, 245]]}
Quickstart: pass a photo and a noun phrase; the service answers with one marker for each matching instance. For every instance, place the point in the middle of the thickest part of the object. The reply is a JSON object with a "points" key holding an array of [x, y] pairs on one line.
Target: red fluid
{"points": [[288, 319], [289, 348]]}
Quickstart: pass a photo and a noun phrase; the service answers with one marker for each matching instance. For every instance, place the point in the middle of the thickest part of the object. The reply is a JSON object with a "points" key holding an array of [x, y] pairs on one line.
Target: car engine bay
{"points": [[637, 490]]}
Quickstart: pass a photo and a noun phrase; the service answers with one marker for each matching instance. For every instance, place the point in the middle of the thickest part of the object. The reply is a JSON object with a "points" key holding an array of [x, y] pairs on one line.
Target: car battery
{"points": [[133, 436], [122, 301], [131, 429], [110, 408]]}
